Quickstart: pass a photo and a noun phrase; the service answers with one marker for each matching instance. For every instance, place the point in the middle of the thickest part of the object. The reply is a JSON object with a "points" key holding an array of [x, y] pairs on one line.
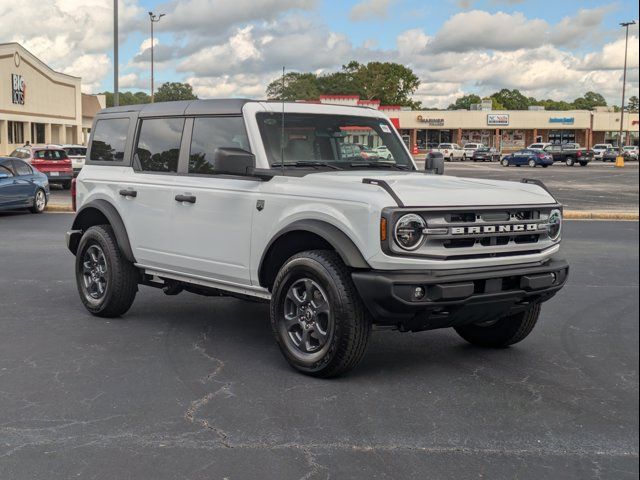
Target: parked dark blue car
{"points": [[22, 186], [529, 157]]}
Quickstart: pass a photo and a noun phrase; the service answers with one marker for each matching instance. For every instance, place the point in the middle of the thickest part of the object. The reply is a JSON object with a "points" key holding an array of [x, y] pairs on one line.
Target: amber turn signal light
{"points": [[383, 229]]}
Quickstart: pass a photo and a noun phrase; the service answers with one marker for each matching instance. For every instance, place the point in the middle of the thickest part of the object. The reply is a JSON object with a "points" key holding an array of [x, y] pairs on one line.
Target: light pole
{"points": [[154, 19], [116, 95], [624, 83]]}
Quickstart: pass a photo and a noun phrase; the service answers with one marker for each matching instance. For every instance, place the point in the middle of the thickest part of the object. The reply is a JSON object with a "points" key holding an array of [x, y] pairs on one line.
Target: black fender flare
{"points": [[342, 244], [114, 219]]}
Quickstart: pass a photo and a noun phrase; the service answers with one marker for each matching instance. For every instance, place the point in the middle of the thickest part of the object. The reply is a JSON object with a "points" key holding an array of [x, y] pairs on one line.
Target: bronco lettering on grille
{"points": [[479, 230]]}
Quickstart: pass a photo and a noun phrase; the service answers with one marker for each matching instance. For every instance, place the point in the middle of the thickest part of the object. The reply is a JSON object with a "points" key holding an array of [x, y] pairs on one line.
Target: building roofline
{"points": [[43, 64]]}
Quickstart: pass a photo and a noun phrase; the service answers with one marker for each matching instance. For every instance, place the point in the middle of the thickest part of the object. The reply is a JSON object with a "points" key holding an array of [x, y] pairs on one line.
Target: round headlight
{"points": [[555, 224], [409, 231]]}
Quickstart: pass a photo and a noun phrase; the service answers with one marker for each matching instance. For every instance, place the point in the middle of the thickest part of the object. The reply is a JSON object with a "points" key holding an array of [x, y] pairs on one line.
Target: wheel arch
{"points": [[306, 235], [101, 212]]}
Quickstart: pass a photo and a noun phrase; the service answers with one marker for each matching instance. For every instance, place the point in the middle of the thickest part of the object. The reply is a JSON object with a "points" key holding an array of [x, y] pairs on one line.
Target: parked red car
{"points": [[52, 161]]}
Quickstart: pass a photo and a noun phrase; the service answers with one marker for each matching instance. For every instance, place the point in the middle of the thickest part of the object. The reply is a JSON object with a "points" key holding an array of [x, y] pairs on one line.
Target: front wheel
{"points": [[570, 162], [107, 282], [505, 162], [502, 332], [317, 316]]}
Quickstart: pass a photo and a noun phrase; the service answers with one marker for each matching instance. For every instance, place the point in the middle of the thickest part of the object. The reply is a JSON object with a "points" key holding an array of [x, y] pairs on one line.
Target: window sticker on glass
{"points": [[385, 128]]}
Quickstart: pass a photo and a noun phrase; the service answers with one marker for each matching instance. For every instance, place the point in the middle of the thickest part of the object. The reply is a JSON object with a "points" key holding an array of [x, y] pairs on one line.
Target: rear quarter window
{"points": [[108, 140]]}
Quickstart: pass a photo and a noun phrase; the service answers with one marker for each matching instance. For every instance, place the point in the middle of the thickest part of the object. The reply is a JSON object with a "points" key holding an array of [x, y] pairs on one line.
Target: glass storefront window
{"points": [[512, 139], [560, 137]]}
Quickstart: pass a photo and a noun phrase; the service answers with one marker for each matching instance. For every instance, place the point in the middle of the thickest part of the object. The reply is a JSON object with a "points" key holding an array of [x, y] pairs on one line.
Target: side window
{"points": [[22, 168], [210, 134], [158, 145], [5, 168], [109, 139]]}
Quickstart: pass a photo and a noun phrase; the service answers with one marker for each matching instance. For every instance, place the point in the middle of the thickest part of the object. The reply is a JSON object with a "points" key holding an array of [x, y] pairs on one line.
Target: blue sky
{"points": [[235, 47]]}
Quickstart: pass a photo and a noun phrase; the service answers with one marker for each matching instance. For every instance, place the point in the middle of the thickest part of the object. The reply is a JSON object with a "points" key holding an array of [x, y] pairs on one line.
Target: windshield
{"points": [[335, 141]]}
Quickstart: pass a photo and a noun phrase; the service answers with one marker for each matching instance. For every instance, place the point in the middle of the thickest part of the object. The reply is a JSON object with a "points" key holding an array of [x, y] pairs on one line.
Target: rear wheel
{"points": [[39, 202], [584, 164], [107, 282], [317, 316], [532, 163], [502, 332]]}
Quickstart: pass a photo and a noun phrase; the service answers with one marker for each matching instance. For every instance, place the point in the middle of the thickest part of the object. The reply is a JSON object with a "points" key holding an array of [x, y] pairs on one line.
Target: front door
{"points": [[213, 213]]}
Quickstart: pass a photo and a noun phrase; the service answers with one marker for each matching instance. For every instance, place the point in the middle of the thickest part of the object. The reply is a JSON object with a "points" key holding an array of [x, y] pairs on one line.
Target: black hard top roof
{"points": [[227, 106]]}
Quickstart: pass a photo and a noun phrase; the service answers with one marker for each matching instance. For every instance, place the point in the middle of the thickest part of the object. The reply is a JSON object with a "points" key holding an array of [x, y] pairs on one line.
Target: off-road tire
{"points": [[504, 332], [122, 276], [351, 325]]}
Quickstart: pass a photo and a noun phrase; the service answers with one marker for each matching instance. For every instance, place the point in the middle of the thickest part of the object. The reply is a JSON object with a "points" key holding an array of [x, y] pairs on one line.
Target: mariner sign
{"points": [[434, 122], [18, 88]]}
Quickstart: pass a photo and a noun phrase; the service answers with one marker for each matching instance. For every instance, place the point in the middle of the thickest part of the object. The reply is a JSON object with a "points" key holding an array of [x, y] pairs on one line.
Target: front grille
{"points": [[487, 232]]}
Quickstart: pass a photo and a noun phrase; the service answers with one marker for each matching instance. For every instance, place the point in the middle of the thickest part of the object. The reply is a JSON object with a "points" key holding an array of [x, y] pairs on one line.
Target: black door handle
{"points": [[186, 198], [128, 193]]}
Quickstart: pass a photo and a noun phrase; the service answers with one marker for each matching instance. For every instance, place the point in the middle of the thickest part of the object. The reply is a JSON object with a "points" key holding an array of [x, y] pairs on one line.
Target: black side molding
{"points": [[385, 186]]}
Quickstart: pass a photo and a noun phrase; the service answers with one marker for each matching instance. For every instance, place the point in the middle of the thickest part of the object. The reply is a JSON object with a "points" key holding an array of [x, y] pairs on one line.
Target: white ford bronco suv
{"points": [[263, 200]]}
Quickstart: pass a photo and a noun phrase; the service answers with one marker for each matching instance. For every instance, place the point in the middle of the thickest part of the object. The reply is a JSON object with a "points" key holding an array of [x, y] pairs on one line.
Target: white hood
{"points": [[426, 190]]}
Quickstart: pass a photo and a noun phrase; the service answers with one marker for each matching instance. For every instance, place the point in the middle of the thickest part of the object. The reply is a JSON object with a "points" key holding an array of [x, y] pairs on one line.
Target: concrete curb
{"points": [[58, 208], [568, 214], [585, 215]]}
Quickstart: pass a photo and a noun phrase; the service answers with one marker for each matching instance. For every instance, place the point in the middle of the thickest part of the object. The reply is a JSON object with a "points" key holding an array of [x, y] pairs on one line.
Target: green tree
{"points": [[296, 86], [511, 99], [391, 83], [127, 98], [632, 104], [465, 102], [589, 101], [172, 91]]}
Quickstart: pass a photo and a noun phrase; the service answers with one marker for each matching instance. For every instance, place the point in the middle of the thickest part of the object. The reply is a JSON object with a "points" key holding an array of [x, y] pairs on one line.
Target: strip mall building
{"points": [[504, 129], [39, 105]]}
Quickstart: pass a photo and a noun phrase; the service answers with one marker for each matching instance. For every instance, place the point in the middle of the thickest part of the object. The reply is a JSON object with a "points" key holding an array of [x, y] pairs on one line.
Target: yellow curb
{"points": [[58, 208], [582, 215]]}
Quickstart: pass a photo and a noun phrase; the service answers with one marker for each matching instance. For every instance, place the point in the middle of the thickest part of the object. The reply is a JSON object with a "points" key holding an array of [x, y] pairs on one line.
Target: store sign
{"points": [[18, 89], [497, 119], [563, 120], [433, 122]]}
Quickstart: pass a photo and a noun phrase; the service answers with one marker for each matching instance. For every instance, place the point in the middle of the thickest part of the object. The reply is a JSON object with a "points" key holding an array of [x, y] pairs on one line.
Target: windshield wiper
{"points": [[379, 165], [301, 163]]}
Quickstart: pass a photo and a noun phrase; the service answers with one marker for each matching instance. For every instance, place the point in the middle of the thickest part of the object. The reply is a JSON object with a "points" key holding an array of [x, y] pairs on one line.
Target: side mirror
{"points": [[234, 161], [434, 163]]}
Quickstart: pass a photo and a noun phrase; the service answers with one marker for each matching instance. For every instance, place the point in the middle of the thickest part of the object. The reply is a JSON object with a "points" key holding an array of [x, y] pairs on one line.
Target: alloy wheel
{"points": [[94, 272], [40, 200], [308, 320]]}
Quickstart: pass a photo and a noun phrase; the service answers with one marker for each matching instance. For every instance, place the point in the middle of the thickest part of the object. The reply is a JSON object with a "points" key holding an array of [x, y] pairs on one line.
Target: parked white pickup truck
{"points": [[451, 152]]}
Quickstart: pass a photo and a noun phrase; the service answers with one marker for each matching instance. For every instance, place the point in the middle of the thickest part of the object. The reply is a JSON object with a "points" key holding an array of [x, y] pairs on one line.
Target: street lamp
{"points": [[624, 82], [154, 19]]}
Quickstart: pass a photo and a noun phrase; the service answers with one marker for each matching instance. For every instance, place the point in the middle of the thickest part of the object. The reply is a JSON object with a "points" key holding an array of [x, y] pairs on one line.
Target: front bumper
{"points": [[456, 297]]}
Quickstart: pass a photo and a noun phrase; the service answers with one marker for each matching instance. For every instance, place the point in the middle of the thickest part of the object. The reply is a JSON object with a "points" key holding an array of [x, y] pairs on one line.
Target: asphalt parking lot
{"points": [[597, 187], [195, 387]]}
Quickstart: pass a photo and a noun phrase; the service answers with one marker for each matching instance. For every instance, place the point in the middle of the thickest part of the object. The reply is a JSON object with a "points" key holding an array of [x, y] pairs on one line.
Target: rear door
{"points": [[213, 236], [146, 199]]}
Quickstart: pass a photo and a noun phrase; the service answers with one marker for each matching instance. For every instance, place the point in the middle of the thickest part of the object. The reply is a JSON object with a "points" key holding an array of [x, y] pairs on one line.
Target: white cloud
{"points": [[369, 10], [68, 38]]}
